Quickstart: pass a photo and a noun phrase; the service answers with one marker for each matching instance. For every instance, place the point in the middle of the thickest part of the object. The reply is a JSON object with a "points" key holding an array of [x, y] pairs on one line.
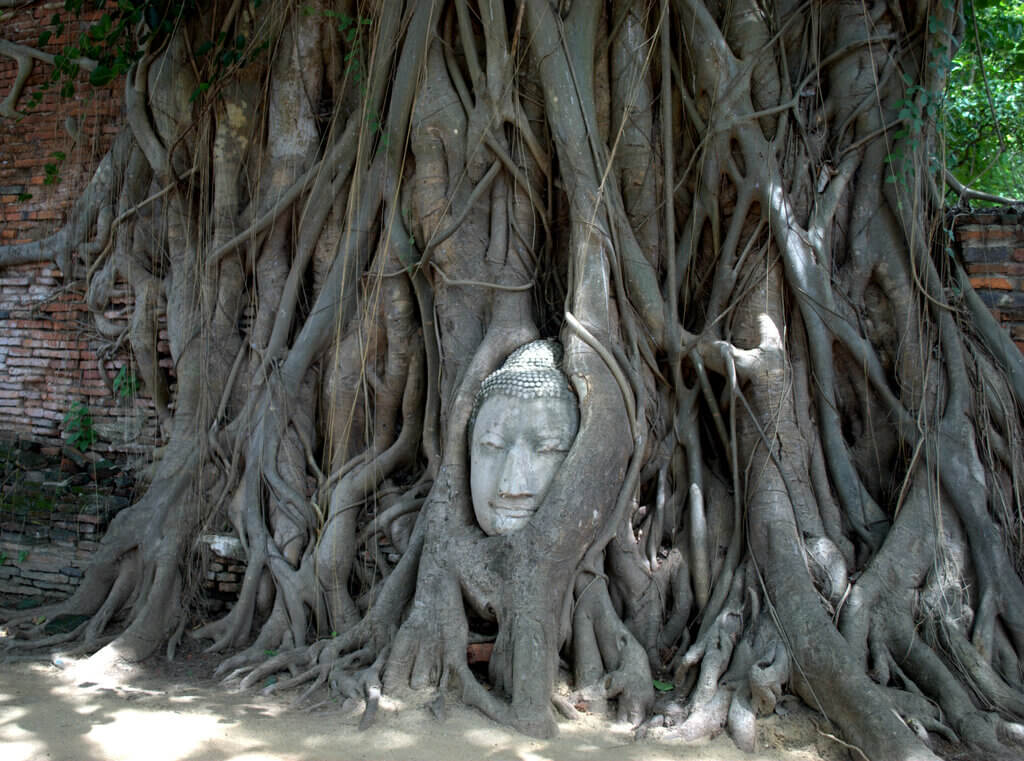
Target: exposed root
{"points": [[782, 479]]}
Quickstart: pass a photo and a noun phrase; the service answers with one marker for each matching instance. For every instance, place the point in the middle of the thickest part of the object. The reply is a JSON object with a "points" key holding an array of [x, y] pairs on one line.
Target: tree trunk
{"points": [[728, 215]]}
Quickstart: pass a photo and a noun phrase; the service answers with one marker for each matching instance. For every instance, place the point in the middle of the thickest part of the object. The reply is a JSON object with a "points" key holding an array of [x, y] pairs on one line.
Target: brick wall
{"points": [[992, 248], [50, 352], [55, 509]]}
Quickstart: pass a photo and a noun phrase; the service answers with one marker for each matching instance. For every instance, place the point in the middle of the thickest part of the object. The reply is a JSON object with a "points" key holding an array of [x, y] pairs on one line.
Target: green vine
{"points": [[78, 426]]}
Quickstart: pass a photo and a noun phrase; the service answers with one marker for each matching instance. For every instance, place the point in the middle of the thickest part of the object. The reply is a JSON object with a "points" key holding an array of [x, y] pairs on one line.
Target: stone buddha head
{"points": [[524, 421]]}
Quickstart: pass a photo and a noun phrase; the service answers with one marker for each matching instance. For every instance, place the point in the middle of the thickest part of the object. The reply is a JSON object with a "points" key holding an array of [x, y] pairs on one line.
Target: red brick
{"points": [[992, 283], [997, 268]]}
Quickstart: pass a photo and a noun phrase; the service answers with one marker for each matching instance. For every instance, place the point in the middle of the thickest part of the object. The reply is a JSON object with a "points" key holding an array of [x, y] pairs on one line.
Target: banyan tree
{"points": [[770, 442]]}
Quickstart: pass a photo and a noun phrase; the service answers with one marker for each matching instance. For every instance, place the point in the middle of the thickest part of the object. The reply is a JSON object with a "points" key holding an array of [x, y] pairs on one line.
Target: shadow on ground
{"points": [[178, 713]]}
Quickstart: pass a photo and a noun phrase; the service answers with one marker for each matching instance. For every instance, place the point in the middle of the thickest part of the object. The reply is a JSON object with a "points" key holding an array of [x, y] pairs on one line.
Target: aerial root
{"points": [[690, 722], [759, 688], [317, 673], [54, 639], [251, 669], [983, 730], [741, 720], [565, 707], [985, 678], [33, 620], [354, 675], [767, 680], [363, 684], [321, 674], [707, 710], [921, 715]]}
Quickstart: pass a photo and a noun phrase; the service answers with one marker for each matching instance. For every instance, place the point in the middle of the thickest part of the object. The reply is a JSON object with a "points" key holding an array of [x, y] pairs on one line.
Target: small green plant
{"points": [[78, 426], [125, 383], [22, 556], [53, 169]]}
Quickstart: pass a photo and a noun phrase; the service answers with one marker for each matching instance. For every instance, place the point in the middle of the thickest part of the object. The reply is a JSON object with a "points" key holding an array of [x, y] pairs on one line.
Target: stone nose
{"points": [[516, 473]]}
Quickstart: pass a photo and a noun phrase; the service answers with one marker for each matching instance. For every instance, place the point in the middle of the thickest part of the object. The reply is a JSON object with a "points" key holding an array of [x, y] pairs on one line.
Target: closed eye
{"points": [[549, 447]]}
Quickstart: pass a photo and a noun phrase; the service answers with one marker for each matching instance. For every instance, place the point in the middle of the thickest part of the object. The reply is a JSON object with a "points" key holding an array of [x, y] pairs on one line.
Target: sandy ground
{"points": [[180, 713]]}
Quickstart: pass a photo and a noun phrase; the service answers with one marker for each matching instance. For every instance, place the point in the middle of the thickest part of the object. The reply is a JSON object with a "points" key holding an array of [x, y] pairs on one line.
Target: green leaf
{"points": [[661, 686], [200, 89], [100, 76]]}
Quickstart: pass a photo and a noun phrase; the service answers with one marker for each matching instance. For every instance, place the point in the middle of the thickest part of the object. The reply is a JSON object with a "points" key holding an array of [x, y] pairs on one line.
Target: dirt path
{"points": [[48, 714]]}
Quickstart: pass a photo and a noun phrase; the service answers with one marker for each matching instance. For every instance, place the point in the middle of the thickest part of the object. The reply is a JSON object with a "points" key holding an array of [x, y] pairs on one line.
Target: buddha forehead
{"points": [[507, 417], [532, 371]]}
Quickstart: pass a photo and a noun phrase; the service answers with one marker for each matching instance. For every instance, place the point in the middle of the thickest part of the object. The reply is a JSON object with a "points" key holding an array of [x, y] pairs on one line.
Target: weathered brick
{"points": [[1011, 268], [1003, 300], [20, 589], [986, 253], [993, 282]]}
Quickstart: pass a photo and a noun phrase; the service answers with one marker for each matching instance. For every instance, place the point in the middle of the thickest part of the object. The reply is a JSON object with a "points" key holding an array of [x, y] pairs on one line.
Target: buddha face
{"points": [[516, 448]]}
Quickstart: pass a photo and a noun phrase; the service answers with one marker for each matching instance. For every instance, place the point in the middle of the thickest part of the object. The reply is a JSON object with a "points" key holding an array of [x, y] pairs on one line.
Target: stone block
{"points": [[225, 545], [18, 589], [973, 253]]}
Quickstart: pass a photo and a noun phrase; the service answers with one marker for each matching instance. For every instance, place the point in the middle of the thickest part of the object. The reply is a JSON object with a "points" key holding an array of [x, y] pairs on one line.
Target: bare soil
{"points": [[177, 711]]}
